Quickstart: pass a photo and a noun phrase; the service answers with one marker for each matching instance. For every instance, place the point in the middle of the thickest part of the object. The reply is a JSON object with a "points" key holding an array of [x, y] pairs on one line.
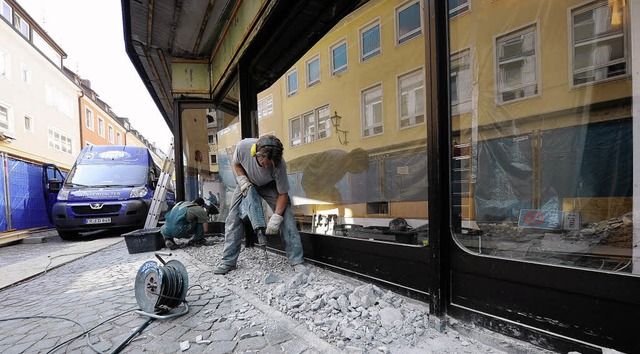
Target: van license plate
{"points": [[98, 221]]}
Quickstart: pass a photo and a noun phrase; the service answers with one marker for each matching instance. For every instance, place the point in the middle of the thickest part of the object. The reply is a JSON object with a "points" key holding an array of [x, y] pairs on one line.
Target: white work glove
{"points": [[243, 182], [273, 226]]}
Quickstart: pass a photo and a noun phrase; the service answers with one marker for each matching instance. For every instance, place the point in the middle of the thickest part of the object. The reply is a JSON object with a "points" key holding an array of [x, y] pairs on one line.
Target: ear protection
{"points": [[254, 148]]}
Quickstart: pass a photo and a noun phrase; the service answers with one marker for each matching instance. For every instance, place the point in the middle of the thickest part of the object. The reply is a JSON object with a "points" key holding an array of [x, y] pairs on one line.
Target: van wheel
{"points": [[67, 235]]}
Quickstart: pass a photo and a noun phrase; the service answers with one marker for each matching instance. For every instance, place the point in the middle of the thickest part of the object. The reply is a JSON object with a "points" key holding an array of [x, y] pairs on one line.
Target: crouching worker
{"points": [[258, 164], [186, 219]]}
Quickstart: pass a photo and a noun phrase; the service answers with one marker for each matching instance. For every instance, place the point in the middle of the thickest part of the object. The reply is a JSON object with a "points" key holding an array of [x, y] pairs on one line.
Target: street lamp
{"points": [[335, 121]]}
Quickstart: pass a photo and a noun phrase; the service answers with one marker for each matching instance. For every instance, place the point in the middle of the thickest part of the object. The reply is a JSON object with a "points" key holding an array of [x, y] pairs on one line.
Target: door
{"points": [[52, 179]]}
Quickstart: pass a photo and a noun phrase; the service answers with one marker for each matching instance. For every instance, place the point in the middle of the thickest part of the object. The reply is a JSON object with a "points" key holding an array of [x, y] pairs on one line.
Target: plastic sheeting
{"points": [[26, 196]]}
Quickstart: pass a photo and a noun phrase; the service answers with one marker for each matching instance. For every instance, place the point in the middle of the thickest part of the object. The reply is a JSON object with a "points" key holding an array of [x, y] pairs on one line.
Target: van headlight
{"points": [[139, 192], [63, 194]]}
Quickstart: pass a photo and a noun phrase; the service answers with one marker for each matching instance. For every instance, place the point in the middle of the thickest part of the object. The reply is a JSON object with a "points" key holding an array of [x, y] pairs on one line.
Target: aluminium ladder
{"points": [[160, 194]]}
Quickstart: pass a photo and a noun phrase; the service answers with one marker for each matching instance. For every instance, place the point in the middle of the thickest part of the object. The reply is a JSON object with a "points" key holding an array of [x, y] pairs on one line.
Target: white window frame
{"points": [[375, 127], [89, 123], [25, 74], [372, 53], [28, 118], [290, 91], [110, 133], [416, 117], [119, 138], [309, 130], [312, 81], [265, 107], [462, 106], [8, 115], [414, 33], [591, 6], [61, 142], [463, 8], [336, 71], [5, 64], [101, 126], [295, 134], [500, 86]]}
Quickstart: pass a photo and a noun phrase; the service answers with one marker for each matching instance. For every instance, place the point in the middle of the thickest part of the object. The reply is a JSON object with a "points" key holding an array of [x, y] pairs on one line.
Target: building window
{"points": [[313, 71], [339, 58], [461, 88], [411, 88], [599, 51], [118, 138], [4, 117], [295, 131], [21, 25], [5, 64], [309, 127], [212, 138], [58, 100], [88, 116], [370, 41], [517, 65], [28, 123], [211, 119], [25, 72], [265, 107], [101, 127], [292, 83], [111, 134], [408, 21], [457, 7], [7, 11], [213, 158], [59, 141], [372, 111]]}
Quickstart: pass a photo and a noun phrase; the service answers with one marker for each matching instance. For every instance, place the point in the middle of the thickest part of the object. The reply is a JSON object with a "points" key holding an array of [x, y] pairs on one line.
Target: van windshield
{"points": [[107, 175]]}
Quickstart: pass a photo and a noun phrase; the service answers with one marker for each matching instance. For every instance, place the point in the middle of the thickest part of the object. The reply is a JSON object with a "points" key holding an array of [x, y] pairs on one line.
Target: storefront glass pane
{"points": [[543, 122], [355, 142]]}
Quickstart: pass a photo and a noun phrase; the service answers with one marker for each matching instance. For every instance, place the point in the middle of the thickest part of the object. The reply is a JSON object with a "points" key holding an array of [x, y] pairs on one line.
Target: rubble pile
{"points": [[354, 316]]}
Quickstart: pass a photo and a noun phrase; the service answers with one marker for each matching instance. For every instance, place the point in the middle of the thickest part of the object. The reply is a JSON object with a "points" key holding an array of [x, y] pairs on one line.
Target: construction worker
{"points": [[186, 219], [258, 164]]}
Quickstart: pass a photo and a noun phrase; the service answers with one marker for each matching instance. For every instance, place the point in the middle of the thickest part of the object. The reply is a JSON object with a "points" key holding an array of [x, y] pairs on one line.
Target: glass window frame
{"points": [[7, 11], [623, 33], [369, 130], [28, 123], [101, 126], [5, 64], [118, 138], [89, 123], [110, 134], [411, 117], [6, 118], [416, 32], [340, 69], [291, 91], [498, 43], [265, 107], [465, 104], [313, 80], [373, 52], [295, 131], [59, 141], [463, 8]]}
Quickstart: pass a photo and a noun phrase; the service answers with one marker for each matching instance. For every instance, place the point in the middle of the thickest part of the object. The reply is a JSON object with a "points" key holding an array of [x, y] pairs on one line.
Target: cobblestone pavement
{"points": [[49, 313]]}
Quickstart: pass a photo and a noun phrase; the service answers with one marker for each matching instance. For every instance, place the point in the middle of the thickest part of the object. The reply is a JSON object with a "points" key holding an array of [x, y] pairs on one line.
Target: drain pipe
{"points": [[7, 199]]}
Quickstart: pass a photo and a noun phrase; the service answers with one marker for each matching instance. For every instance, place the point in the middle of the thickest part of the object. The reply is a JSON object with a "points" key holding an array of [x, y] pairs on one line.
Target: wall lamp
{"points": [[335, 121]]}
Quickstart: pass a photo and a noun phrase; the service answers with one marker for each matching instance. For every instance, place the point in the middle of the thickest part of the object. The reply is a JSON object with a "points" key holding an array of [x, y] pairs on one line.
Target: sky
{"points": [[91, 34]]}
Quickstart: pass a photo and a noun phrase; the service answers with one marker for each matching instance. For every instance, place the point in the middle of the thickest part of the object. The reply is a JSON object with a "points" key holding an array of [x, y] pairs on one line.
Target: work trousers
{"points": [[234, 229]]}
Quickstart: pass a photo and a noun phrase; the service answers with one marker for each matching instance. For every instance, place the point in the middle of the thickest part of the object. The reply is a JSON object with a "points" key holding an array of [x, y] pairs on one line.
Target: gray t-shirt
{"points": [[258, 175]]}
